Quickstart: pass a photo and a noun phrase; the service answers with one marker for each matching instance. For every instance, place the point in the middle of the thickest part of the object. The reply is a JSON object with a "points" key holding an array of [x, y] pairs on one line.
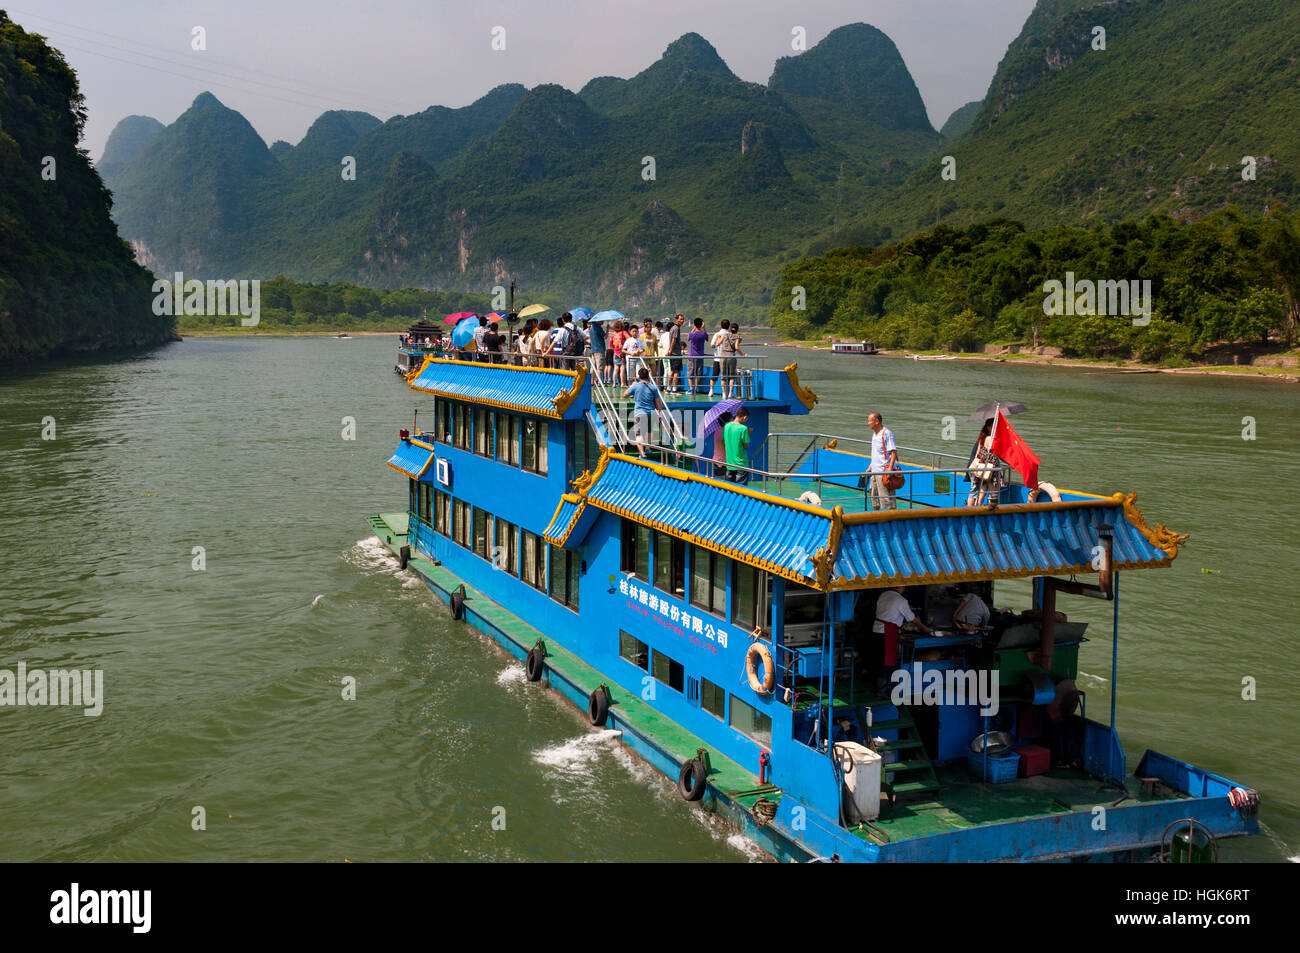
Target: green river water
{"points": [[223, 687]]}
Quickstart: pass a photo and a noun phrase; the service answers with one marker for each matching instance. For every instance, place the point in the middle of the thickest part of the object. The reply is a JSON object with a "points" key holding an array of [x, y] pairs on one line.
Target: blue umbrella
{"points": [[608, 316], [463, 333], [580, 314]]}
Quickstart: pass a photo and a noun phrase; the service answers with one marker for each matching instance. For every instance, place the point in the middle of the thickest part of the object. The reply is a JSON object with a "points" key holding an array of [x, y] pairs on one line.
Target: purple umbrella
{"points": [[710, 424]]}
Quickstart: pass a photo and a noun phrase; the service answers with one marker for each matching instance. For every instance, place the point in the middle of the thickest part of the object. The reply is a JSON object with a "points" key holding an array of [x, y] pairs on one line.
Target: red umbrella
{"points": [[458, 317], [496, 316]]}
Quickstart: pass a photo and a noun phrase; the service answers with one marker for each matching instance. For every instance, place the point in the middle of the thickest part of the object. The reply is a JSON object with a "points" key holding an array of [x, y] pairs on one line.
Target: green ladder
{"points": [[913, 773]]}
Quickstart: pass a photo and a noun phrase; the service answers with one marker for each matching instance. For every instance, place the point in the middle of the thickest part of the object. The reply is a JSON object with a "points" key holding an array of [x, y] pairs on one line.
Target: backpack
{"points": [[573, 341]]}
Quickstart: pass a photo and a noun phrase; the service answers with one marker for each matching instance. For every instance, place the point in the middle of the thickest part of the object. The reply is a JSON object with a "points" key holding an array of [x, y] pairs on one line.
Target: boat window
{"points": [[670, 565], [505, 547], [709, 581], [508, 438], [751, 722], [460, 523], [634, 650], [668, 670], [584, 450], [480, 533], [461, 426], [748, 602], [712, 698], [636, 550], [565, 566], [534, 445], [425, 494], [441, 512], [484, 432], [533, 565], [442, 420]]}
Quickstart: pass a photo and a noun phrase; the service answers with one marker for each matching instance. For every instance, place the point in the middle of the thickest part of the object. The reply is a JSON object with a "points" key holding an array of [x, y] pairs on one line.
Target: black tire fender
{"points": [[598, 707], [404, 556], [535, 664], [457, 603], [692, 780]]}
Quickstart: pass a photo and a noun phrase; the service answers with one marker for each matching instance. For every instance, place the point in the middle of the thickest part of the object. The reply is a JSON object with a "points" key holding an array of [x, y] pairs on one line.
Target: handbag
{"points": [[892, 480]]}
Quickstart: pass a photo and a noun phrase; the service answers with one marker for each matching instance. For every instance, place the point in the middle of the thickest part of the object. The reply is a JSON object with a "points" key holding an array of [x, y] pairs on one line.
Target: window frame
{"points": [[714, 562], [643, 649], [721, 715], [441, 513], [676, 560], [540, 439], [674, 668], [509, 532]]}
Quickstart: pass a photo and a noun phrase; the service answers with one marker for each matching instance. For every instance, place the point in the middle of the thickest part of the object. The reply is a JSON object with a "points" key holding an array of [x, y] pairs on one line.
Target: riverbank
{"points": [[1284, 374]]}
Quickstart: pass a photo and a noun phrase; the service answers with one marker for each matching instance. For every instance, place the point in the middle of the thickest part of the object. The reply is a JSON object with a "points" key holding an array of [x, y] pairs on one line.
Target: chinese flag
{"points": [[1008, 445]]}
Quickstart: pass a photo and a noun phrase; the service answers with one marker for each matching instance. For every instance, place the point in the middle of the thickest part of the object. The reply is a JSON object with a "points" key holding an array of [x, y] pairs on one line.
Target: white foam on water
{"points": [[741, 843], [1090, 675], [578, 754], [512, 676], [317, 599], [373, 555]]}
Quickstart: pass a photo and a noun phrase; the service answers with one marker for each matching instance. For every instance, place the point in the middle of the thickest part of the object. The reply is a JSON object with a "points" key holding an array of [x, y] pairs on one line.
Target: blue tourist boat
{"points": [[725, 629]]}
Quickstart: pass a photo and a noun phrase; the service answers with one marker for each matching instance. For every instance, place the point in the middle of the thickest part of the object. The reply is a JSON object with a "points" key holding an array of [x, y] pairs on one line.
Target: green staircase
{"points": [[913, 773]]}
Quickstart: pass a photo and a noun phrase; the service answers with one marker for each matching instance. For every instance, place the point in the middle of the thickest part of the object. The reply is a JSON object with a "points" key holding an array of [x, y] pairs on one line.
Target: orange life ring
{"points": [[760, 651], [1052, 493]]}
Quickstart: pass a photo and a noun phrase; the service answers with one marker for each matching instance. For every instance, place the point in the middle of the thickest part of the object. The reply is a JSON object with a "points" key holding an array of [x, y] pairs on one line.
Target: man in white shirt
{"points": [[971, 610], [884, 456], [892, 611]]}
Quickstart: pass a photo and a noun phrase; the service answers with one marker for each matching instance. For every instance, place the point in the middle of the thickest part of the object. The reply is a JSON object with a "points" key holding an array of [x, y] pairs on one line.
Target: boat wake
{"points": [[577, 755]]}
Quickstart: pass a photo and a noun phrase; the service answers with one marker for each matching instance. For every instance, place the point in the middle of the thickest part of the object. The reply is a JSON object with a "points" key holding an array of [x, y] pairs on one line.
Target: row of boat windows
{"points": [[508, 547], [513, 439], [712, 698], [661, 559]]}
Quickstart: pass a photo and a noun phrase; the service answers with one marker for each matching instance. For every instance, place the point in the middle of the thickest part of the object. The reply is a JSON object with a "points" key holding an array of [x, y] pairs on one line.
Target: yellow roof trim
{"points": [[941, 512], [508, 367], [564, 399], [861, 582], [805, 394]]}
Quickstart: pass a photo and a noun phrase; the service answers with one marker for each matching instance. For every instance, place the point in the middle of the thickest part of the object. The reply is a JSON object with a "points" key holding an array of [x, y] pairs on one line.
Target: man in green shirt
{"points": [[736, 437]]}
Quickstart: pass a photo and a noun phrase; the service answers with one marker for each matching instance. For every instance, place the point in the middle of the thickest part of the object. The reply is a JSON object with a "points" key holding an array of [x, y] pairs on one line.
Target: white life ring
{"points": [[1049, 489], [758, 651], [808, 496]]}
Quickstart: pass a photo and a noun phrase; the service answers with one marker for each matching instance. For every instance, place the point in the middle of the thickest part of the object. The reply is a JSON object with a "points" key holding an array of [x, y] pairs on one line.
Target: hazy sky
{"points": [[283, 62]]}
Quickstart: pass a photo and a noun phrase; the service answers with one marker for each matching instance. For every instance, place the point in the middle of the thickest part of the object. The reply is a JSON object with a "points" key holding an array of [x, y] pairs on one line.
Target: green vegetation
{"points": [[1223, 278], [67, 281], [296, 306]]}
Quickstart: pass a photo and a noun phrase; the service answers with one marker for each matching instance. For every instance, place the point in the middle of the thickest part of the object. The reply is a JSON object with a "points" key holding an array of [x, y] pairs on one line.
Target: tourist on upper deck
{"points": [[884, 457], [986, 476], [695, 368], [719, 336], [479, 349], [675, 353], [720, 445], [542, 343], [526, 342], [730, 348], [567, 341], [892, 611], [633, 349], [596, 336], [616, 338], [650, 338], [492, 341], [736, 437], [644, 403]]}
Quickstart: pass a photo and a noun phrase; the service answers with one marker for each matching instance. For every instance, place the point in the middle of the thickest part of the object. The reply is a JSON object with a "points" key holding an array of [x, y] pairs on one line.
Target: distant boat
{"points": [[933, 357], [852, 347], [345, 337]]}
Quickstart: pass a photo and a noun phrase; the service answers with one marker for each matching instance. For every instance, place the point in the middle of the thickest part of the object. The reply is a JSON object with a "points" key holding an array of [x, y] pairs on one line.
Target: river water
{"points": [[223, 699]]}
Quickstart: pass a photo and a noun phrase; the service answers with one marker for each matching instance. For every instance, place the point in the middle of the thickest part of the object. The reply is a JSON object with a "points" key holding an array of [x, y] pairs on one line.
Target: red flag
{"points": [[1008, 445]]}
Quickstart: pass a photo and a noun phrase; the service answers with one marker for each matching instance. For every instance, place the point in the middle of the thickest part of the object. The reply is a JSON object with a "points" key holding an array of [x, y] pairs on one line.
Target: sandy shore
{"points": [[1284, 375]]}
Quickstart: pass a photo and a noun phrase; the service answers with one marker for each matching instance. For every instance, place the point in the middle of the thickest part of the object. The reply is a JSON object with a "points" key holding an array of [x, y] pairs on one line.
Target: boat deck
{"points": [[964, 801]]}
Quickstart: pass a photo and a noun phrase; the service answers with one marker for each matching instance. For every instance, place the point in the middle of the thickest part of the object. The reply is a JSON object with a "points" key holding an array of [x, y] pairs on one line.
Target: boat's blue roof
{"points": [[830, 550], [547, 392], [977, 543], [412, 457]]}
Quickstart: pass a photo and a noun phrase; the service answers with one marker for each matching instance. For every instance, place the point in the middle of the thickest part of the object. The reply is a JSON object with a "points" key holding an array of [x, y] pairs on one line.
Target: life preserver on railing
{"points": [[808, 496], [760, 652], [1052, 492]]}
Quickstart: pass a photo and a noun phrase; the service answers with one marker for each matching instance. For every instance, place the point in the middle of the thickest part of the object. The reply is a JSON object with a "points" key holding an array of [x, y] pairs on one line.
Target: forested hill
{"points": [[68, 282]]}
